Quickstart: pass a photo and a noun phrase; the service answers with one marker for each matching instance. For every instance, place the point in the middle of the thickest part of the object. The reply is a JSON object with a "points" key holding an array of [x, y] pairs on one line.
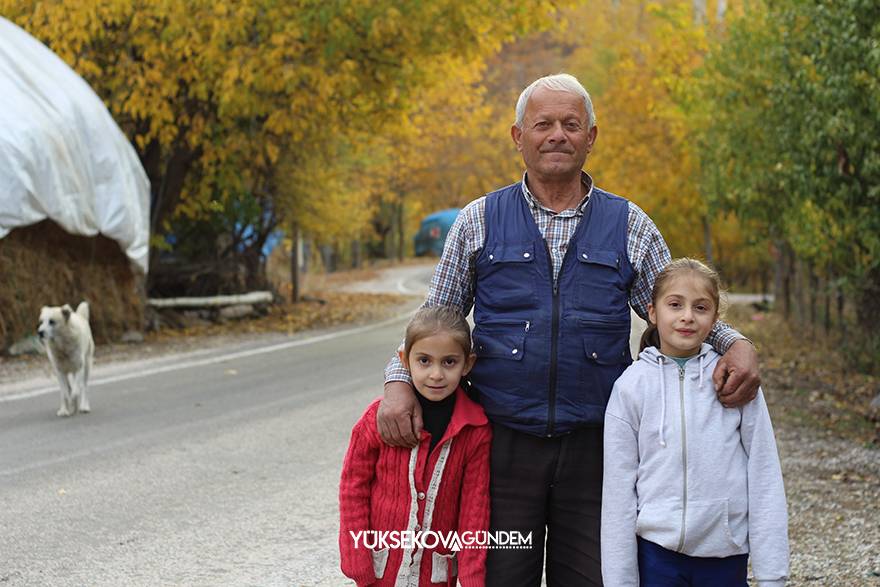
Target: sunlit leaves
{"points": [[798, 135]]}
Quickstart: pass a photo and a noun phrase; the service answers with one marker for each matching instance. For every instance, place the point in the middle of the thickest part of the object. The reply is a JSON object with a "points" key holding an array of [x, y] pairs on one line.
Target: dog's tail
{"points": [[83, 310]]}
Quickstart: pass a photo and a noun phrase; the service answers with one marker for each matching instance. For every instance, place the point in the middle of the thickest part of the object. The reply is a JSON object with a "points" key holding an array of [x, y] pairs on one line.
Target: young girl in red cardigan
{"points": [[398, 504]]}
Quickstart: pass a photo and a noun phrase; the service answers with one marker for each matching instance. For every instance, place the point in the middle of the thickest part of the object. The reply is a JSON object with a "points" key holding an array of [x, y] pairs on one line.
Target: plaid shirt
{"points": [[455, 276]]}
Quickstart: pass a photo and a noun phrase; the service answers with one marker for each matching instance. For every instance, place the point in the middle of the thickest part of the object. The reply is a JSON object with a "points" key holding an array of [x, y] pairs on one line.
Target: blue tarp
{"points": [[432, 233]]}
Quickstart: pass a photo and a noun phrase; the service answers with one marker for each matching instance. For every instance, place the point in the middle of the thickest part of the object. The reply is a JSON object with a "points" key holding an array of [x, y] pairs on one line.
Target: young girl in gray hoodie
{"points": [[691, 488]]}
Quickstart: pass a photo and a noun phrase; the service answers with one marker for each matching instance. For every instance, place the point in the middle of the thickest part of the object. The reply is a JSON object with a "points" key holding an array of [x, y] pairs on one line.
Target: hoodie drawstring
{"points": [[662, 400], [702, 356]]}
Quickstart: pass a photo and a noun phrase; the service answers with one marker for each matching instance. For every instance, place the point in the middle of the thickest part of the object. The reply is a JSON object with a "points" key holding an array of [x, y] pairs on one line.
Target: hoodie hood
{"points": [[652, 353]]}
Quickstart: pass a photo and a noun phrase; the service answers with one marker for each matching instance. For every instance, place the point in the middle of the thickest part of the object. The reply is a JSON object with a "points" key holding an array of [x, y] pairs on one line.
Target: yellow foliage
{"points": [[221, 92], [640, 63]]}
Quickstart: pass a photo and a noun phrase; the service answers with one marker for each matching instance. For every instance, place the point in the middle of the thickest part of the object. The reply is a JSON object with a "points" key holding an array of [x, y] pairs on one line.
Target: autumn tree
{"points": [[214, 94], [795, 140]]}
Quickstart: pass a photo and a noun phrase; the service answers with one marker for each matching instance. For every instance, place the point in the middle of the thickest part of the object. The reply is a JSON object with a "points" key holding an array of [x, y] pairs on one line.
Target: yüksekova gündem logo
{"points": [[451, 541]]}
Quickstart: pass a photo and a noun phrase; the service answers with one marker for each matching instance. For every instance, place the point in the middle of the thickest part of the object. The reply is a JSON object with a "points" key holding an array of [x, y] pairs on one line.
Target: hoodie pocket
{"points": [[380, 561], [707, 531], [660, 523], [444, 568]]}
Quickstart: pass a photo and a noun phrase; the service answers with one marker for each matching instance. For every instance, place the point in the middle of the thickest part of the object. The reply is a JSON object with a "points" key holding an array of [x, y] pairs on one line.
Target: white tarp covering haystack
{"points": [[62, 157]]}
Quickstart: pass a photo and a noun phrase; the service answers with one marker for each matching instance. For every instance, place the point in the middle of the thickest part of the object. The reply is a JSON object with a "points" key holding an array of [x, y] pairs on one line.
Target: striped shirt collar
{"points": [[533, 202]]}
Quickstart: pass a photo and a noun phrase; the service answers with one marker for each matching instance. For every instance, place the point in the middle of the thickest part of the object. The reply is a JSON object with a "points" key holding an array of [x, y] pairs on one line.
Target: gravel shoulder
{"points": [[829, 450]]}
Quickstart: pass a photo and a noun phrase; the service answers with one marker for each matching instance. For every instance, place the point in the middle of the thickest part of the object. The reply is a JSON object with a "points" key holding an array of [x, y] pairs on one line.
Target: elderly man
{"points": [[551, 266]]}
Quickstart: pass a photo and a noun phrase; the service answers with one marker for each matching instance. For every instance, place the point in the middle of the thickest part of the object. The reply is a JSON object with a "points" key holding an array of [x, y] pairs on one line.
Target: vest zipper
{"points": [[554, 343], [684, 460]]}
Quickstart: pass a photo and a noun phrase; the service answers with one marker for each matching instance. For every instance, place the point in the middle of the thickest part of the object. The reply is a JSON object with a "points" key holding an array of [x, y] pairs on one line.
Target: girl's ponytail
{"points": [[651, 337]]}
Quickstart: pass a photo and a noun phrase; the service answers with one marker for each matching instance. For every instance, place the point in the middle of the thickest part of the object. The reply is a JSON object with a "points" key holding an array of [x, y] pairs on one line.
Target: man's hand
{"points": [[400, 416], [736, 375]]}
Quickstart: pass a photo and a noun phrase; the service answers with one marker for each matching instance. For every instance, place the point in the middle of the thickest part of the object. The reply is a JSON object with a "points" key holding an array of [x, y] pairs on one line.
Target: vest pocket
{"points": [[606, 354], [599, 257], [507, 277], [607, 348], [600, 283], [380, 561], [444, 568], [500, 345]]}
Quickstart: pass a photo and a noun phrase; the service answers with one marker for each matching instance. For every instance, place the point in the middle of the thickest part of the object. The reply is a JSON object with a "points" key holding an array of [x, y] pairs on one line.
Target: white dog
{"points": [[70, 347]]}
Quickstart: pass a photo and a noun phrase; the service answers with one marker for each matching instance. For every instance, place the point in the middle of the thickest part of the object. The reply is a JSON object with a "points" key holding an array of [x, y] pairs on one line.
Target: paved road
{"points": [[213, 468], [219, 474], [218, 468]]}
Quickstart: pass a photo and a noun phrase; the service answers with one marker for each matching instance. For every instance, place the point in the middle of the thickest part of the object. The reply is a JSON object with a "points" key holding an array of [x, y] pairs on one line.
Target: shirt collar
{"points": [[465, 413], [533, 202]]}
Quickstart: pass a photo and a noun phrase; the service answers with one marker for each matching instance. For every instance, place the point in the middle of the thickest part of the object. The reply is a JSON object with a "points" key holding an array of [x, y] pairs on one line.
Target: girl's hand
{"points": [[399, 417], [736, 376]]}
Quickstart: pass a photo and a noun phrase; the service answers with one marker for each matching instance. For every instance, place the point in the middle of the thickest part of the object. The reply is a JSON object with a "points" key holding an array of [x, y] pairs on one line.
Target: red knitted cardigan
{"points": [[375, 494]]}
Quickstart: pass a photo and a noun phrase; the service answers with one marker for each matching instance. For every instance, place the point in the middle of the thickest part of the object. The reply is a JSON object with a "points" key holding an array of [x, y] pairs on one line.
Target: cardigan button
{"points": [[526, 255], [421, 495], [417, 528], [594, 355]]}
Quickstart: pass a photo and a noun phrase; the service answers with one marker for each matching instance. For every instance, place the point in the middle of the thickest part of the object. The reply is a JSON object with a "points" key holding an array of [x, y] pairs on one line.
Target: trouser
{"points": [[551, 488], [659, 567]]}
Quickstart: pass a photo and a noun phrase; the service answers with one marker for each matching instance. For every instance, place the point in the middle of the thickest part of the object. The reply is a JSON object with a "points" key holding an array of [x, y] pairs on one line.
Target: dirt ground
{"points": [[806, 379]]}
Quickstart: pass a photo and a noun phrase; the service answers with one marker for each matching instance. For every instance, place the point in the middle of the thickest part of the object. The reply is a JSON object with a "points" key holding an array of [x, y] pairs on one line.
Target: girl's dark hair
{"points": [[434, 320], [651, 336]]}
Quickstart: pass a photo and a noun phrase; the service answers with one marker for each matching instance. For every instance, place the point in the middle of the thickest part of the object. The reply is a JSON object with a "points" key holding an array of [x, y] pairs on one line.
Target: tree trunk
{"points": [[295, 252], [786, 282], [867, 298], [827, 295], [400, 229], [167, 175], [801, 284], [778, 273], [356, 254], [814, 291], [328, 256], [707, 239]]}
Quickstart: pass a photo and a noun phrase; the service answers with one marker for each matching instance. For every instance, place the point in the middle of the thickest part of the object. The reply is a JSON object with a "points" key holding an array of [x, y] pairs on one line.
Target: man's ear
{"points": [[652, 314], [591, 138], [403, 358], [516, 135], [469, 364]]}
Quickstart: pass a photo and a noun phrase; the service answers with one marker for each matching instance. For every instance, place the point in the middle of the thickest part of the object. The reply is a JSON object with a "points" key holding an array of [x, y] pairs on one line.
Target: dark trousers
{"points": [[659, 567], [551, 487]]}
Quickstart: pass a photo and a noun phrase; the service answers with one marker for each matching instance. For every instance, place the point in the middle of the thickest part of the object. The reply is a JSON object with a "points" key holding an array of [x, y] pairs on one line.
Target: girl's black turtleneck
{"points": [[436, 416]]}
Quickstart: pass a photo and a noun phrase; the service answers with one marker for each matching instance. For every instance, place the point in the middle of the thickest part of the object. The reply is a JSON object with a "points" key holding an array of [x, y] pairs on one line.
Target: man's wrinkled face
{"points": [[555, 137]]}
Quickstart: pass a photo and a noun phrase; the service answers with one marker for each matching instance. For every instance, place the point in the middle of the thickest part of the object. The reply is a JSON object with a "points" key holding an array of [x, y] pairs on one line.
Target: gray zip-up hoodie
{"points": [[684, 472]]}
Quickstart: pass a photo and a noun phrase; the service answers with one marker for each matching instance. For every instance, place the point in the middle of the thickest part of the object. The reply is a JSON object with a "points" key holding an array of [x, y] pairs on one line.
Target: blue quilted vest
{"points": [[548, 356]]}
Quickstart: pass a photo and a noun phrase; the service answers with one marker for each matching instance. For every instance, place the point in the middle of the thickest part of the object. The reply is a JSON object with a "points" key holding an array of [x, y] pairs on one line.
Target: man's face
{"points": [[555, 137]]}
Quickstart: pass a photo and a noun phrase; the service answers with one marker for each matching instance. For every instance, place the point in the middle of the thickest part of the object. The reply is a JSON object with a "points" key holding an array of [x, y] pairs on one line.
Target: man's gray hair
{"points": [[561, 82]]}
